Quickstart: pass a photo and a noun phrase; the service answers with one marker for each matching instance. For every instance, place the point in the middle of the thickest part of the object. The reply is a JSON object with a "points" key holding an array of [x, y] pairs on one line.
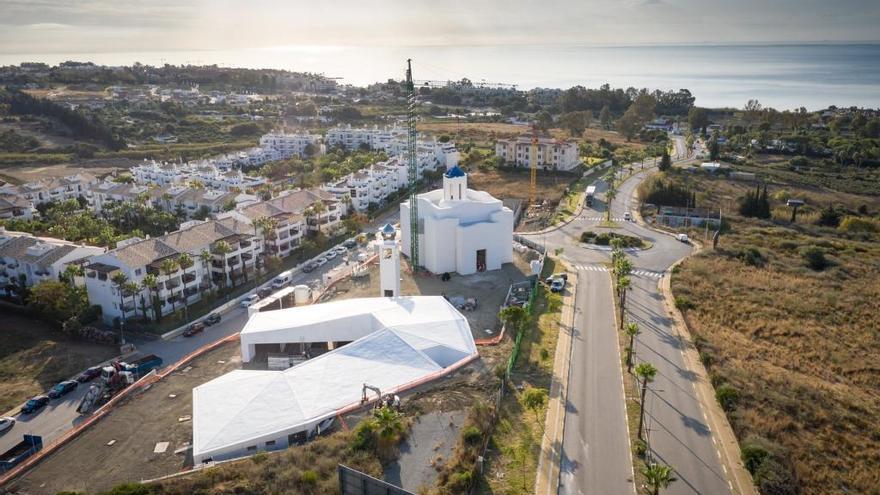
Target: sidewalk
{"points": [[547, 478]]}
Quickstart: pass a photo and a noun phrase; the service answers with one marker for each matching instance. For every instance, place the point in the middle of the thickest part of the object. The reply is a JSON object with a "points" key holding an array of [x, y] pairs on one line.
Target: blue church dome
{"points": [[454, 172]]}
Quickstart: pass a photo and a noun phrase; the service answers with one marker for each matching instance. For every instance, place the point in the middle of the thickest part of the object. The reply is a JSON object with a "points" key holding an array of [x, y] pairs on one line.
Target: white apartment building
{"points": [[206, 173], [137, 257], [553, 154], [27, 259], [289, 145], [375, 138], [15, 206], [375, 184], [293, 217], [53, 189]]}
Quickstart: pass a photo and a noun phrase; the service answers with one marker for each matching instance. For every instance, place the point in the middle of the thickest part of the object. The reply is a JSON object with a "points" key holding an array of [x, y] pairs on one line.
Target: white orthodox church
{"points": [[460, 230]]}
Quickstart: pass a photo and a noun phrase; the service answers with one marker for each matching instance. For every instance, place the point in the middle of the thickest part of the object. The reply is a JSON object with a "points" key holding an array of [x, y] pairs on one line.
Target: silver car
{"points": [[6, 423]]}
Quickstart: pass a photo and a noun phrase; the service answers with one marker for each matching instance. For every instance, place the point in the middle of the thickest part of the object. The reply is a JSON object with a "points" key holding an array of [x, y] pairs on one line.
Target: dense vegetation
{"points": [[70, 220], [16, 142], [82, 125]]}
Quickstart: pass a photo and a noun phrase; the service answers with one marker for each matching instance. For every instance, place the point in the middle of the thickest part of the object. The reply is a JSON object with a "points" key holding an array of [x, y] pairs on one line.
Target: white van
{"points": [[683, 238], [282, 280]]}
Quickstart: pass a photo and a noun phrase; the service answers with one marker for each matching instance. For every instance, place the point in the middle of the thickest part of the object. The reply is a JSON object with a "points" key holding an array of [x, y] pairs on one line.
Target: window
{"points": [[270, 443], [137, 271], [252, 448]]}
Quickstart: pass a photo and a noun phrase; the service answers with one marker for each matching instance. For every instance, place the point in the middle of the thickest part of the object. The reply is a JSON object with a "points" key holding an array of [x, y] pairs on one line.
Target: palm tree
{"points": [[119, 279], [151, 284], [318, 209], [622, 286], [388, 424], [657, 476], [167, 197], [632, 329], [70, 273], [646, 372], [223, 248], [206, 257], [168, 267], [185, 261], [132, 289]]}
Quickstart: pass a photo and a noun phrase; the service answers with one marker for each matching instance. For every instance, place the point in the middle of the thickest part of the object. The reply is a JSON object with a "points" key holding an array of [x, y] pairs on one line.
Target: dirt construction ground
{"points": [[488, 288], [89, 464]]}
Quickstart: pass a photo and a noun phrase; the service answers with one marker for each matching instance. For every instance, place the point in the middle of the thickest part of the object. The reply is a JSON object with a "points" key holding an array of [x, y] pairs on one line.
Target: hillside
{"points": [[792, 340]]}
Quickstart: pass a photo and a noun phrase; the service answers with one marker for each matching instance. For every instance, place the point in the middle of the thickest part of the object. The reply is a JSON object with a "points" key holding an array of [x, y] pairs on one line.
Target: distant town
{"points": [[264, 281]]}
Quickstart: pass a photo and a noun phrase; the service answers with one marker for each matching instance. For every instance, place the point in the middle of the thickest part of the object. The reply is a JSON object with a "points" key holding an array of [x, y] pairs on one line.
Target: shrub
{"points": [[773, 478], [753, 453], [640, 448], [471, 435], [814, 257], [857, 224], [364, 435], [308, 478], [829, 216], [131, 489], [727, 396], [683, 303], [259, 457], [459, 482], [751, 256]]}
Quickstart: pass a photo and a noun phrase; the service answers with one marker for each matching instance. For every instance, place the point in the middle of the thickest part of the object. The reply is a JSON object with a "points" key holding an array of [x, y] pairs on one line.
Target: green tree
{"points": [[605, 117], [665, 161], [544, 120], [632, 329], [714, 148], [534, 399], [132, 289], [657, 476], [57, 301], [646, 373], [698, 118], [513, 317]]}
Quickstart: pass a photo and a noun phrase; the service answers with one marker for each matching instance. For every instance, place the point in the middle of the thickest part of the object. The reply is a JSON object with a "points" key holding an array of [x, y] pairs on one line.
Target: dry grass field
{"points": [[800, 346], [34, 357], [512, 183], [477, 131]]}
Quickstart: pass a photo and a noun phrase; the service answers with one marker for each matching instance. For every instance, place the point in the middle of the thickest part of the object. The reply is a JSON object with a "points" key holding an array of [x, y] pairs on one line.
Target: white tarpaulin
{"points": [[396, 342]]}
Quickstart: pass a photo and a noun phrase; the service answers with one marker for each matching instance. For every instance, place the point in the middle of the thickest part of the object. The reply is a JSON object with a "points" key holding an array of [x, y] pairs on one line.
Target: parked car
{"points": [[330, 255], [212, 319], [89, 374], [6, 423], [264, 292], [63, 388], [350, 244], [551, 278], [310, 267], [627, 216], [321, 261], [557, 285], [247, 301], [340, 250], [194, 329], [682, 238], [35, 404]]}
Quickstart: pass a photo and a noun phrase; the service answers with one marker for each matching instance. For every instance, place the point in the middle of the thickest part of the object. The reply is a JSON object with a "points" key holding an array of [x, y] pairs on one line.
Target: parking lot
{"points": [[121, 446]]}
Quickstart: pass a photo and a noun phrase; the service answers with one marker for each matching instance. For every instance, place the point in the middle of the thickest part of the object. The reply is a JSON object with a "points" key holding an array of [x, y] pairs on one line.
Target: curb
{"points": [[549, 459]]}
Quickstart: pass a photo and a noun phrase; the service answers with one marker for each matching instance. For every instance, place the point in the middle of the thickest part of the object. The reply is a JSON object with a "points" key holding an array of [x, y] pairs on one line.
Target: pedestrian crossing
{"points": [[636, 272], [602, 219]]}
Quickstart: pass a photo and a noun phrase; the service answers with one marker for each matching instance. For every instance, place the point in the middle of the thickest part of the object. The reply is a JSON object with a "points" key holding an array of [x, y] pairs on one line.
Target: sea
{"points": [[784, 76]]}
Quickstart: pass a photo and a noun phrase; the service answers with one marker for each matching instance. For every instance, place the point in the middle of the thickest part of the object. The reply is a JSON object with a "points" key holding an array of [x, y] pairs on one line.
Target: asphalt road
{"points": [[60, 415], [595, 434], [592, 450]]}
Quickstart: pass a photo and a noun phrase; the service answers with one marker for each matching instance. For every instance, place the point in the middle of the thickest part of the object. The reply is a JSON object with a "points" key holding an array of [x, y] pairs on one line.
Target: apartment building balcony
{"points": [[172, 284], [232, 262], [189, 278]]}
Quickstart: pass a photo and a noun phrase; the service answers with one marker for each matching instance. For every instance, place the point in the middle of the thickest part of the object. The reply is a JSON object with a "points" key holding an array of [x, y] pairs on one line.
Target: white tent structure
{"points": [[398, 343]]}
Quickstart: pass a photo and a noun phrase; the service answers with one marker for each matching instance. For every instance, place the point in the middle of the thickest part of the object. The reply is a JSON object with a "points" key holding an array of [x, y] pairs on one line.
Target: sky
{"points": [[72, 26]]}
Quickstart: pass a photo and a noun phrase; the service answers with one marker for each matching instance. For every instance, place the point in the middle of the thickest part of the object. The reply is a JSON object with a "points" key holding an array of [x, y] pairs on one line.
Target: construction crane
{"points": [[533, 165], [413, 169]]}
